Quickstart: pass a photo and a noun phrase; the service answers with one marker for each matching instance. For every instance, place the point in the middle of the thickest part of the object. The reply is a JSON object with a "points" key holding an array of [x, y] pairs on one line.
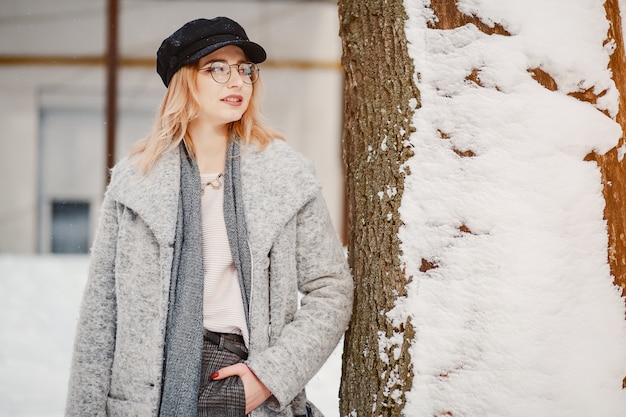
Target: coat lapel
{"points": [[154, 196], [276, 183]]}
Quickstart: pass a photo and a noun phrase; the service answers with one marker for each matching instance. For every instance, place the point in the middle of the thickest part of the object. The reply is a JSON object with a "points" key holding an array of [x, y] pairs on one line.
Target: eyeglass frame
{"points": [[254, 66]]}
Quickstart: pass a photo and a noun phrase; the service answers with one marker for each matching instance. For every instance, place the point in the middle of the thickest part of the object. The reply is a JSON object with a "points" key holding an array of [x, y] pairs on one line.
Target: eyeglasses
{"points": [[220, 71]]}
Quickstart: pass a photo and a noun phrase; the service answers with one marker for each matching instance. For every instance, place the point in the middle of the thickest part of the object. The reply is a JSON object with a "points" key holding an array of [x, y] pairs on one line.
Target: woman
{"points": [[208, 231]]}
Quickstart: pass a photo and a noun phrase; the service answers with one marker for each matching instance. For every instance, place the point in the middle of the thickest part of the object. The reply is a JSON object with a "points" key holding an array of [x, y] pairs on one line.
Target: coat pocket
{"points": [[117, 407]]}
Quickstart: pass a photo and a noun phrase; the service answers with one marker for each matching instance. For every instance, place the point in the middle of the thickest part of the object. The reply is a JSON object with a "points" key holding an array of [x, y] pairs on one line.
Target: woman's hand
{"points": [[256, 393]]}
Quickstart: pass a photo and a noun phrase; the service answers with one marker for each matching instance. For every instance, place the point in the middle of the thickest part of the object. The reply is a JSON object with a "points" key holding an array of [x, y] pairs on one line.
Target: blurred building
{"points": [[53, 90]]}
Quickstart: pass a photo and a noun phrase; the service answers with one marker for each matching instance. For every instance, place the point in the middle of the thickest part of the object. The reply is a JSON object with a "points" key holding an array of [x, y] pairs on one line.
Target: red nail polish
{"points": [[214, 375]]}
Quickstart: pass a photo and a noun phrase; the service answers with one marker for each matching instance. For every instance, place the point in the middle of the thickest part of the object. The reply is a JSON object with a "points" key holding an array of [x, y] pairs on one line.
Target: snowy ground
{"points": [[39, 300]]}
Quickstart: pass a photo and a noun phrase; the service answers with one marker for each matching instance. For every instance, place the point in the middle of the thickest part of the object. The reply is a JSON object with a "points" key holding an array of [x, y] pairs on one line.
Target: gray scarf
{"points": [[184, 332]]}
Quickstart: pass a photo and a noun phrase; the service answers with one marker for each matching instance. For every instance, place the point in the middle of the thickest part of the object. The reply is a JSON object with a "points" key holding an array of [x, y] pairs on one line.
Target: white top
{"points": [[223, 305]]}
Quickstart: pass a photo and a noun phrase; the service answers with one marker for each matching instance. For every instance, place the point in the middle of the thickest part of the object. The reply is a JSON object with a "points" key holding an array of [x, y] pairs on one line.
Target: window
{"points": [[70, 227]]}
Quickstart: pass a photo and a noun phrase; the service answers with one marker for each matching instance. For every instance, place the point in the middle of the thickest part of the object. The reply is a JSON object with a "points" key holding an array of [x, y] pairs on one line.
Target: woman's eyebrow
{"points": [[241, 61]]}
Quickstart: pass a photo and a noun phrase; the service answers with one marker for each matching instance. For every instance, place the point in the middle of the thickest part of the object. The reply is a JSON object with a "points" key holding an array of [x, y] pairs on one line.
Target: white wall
{"points": [[18, 170]]}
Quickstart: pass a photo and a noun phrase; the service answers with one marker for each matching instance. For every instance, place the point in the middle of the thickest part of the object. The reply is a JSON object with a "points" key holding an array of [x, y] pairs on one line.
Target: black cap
{"points": [[199, 38]]}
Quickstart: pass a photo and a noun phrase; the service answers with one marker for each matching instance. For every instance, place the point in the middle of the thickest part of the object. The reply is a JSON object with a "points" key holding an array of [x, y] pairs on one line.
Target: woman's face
{"points": [[221, 104]]}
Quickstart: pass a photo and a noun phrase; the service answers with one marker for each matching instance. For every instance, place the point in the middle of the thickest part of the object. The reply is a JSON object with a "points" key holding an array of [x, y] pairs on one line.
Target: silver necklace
{"points": [[215, 183]]}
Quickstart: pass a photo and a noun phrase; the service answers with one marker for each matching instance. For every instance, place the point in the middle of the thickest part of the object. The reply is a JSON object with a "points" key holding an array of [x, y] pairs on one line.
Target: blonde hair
{"points": [[179, 106]]}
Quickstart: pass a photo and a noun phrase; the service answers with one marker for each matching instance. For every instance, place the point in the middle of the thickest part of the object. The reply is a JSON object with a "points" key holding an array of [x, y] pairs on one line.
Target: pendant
{"points": [[215, 183]]}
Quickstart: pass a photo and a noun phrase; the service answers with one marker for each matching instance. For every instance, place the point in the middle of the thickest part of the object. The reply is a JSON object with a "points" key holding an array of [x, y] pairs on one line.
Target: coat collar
{"points": [[276, 181]]}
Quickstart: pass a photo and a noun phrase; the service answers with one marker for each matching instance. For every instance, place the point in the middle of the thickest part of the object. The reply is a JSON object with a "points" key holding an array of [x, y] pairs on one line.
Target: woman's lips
{"points": [[234, 100]]}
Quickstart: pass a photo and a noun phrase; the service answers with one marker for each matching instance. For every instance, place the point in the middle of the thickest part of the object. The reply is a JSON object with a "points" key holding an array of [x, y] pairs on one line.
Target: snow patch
{"points": [[506, 316]]}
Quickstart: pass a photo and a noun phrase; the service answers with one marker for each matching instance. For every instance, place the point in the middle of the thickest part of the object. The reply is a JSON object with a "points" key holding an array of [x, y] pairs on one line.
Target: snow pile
{"points": [[39, 301], [517, 315]]}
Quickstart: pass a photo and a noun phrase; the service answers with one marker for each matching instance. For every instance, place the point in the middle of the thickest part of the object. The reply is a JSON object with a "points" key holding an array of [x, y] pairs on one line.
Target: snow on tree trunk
{"points": [[479, 240], [380, 101]]}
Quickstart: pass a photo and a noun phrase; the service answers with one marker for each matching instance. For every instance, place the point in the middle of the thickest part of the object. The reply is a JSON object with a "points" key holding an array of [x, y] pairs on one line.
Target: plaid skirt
{"points": [[226, 397]]}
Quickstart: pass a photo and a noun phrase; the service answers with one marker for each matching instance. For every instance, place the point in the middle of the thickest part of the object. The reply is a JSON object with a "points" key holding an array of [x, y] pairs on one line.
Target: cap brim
{"points": [[254, 52]]}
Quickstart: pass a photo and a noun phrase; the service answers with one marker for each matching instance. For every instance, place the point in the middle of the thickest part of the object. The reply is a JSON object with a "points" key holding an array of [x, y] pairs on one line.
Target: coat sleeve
{"points": [[326, 284], [95, 334]]}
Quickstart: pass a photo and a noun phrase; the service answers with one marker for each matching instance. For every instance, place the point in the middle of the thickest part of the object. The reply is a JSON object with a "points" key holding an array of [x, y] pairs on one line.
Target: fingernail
{"points": [[214, 375]]}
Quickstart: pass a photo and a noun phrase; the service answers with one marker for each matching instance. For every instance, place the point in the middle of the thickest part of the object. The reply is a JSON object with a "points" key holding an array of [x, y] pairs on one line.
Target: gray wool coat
{"points": [[118, 355]]}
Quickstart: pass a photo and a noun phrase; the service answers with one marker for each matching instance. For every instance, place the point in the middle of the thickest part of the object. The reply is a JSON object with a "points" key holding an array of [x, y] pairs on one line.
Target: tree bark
{"points": [[380, 99], [613, 167]]}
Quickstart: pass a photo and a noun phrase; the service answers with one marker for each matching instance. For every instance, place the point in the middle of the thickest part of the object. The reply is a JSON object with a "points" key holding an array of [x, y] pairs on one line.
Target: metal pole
{"points": [[111, 84]]}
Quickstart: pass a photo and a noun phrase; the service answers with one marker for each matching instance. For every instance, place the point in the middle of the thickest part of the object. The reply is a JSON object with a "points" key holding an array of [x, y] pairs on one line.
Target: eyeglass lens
{"points": [[221, 71]]}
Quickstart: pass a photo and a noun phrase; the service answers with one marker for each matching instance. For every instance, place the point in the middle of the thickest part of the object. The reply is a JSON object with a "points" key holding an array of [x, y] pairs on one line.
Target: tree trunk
{"points": [[612, 165], [380, 99]]}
